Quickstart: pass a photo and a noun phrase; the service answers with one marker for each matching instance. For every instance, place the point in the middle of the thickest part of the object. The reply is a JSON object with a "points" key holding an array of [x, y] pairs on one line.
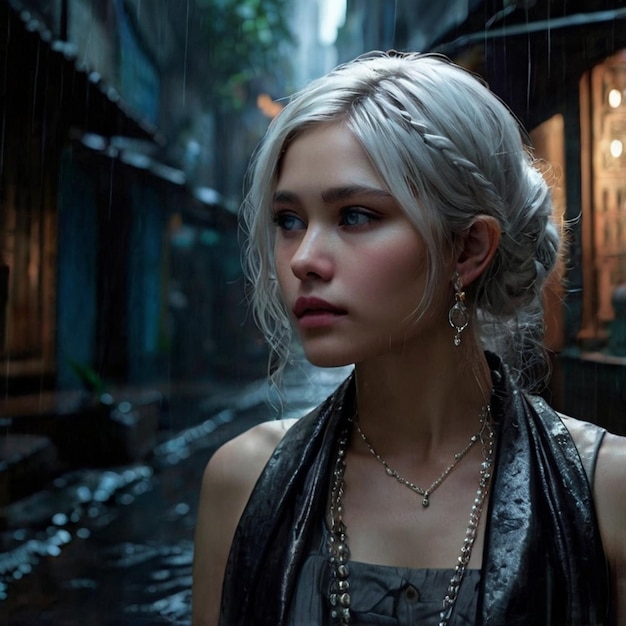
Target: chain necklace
{"points": [[339, 552], [425, 493]]}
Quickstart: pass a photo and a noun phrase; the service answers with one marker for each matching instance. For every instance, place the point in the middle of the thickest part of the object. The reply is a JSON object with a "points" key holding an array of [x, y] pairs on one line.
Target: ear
{"points": [[478, 245]]}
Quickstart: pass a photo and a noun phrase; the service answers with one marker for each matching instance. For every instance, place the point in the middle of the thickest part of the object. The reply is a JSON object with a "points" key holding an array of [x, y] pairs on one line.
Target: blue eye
{"points": [[288, 221], [356, 217]]}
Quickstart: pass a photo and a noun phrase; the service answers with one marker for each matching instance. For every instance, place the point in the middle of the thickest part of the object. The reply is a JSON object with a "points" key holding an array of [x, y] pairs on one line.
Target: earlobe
{"points": [[479, 245]]}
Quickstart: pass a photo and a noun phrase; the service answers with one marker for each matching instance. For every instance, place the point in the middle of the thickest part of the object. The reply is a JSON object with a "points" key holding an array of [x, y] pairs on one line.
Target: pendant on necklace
{"points": [[425, 501]]}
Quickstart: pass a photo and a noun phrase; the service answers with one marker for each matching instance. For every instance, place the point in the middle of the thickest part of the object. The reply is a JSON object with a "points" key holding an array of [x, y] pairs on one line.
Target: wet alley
{"points": [[128, 351], [114, 546]]}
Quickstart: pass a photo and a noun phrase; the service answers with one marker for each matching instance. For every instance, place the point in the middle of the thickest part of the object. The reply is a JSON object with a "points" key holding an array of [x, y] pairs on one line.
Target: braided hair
{"points": [[448, 150]]}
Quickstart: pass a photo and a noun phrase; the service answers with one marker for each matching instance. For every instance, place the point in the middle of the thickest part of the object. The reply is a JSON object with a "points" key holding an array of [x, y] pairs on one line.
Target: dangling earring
{"points": [[458, 315]]}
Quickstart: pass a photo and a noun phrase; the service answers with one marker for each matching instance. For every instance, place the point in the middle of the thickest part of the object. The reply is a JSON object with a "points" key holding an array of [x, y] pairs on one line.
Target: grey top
{"points": [[381, 595], [394, 596]]}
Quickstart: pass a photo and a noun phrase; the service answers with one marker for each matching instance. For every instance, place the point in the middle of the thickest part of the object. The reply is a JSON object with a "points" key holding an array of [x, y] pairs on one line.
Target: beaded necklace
{"points": [[425, 493], [339, 552]]}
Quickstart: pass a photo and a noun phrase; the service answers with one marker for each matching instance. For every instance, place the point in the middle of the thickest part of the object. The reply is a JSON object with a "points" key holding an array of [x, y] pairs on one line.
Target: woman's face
{"points": [[350, 265]]}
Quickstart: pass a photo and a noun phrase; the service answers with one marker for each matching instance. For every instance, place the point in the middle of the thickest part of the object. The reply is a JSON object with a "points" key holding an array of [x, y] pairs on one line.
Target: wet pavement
{"points": [[115, 546]]}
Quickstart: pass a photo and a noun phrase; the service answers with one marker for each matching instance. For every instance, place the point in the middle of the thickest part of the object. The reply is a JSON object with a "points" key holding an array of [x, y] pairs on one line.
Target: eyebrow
{"points": [[335, 194]]}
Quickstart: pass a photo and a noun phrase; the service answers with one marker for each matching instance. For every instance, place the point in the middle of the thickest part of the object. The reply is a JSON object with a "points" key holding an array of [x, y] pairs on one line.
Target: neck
{"points": [[433, 397]]}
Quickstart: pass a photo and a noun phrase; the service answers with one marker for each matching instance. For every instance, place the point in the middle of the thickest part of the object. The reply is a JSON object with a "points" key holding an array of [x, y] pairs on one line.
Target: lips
{"points": [[315, 306]]}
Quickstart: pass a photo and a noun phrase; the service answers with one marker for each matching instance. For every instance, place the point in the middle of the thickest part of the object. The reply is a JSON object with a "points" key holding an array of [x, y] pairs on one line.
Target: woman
{"points": [[397, 222]]}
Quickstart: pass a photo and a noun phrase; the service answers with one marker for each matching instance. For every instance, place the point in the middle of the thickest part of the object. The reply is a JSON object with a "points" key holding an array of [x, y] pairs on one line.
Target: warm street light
{"points": [[615, 98]]}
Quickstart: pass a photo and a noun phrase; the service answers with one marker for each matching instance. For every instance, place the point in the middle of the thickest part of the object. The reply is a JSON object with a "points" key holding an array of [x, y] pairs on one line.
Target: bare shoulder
{"points": [[610, 498], [227, 483], [240, 461], [578, 429], [612, 454], [609, 493], [611, 462], [233, 470]]}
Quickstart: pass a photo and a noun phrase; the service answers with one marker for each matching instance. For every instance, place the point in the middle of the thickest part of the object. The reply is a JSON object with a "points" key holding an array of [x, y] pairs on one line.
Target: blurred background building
{"points": [[125, 132]]}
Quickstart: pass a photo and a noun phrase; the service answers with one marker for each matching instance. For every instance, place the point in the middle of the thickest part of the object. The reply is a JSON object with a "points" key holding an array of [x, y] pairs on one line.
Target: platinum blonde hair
{"points": [[448, 150]]}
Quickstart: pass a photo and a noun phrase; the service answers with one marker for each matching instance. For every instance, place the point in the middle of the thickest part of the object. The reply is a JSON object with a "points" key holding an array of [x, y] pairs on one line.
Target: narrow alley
{"points": [[122, 556]]}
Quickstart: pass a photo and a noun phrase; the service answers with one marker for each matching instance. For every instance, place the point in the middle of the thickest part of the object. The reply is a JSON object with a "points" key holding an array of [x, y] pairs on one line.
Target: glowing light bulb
{"points": [[616, 148], [615, 98]]}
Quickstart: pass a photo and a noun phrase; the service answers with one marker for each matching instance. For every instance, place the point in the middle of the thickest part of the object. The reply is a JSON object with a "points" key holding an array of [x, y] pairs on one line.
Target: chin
{"points": [[327, 360]]}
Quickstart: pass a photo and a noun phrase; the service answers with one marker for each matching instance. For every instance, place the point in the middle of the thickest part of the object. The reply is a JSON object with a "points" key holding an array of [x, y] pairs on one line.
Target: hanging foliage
{"points": [[241, 40]]}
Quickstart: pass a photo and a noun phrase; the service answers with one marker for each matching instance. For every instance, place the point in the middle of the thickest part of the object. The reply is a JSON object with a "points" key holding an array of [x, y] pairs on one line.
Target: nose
{"points": [[313, 258]]}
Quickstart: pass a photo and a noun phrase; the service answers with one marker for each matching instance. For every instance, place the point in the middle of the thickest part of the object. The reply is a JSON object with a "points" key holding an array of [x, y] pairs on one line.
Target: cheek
{"points": [[279, 260], [286, 280], [397, 270]]}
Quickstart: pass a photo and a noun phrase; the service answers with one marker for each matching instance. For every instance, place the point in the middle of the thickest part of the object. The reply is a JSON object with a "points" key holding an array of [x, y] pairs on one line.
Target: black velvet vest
{"points": [[543, 562]]}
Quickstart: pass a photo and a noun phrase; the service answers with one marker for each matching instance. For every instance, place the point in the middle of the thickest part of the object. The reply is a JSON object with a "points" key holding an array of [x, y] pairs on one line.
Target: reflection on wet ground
{"points": [[115, 546], [126, 561]]}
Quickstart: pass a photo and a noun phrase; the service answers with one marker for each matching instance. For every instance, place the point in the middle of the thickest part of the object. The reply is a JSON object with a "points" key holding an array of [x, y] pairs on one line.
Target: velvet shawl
{"points": [[543, 561]]}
